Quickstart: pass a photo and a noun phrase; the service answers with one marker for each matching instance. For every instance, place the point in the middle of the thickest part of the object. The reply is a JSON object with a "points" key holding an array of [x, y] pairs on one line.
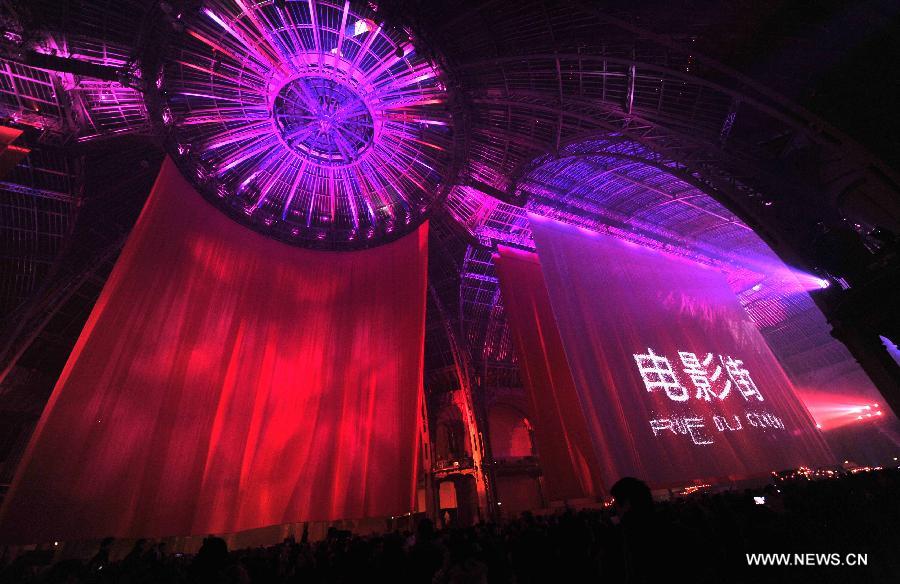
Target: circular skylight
{"points": [[316, 122], [324, 119]]}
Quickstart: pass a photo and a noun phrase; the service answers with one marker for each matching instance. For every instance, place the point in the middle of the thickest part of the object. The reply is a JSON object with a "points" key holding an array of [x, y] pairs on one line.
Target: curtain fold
{"points": [[674, 381], [570, 470], [226, 381]]}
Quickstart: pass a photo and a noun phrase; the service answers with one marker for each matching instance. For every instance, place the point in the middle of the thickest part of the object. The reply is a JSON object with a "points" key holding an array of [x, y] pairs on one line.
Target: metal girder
{"points": [[28, 326], [719, 173], [37, 192]]}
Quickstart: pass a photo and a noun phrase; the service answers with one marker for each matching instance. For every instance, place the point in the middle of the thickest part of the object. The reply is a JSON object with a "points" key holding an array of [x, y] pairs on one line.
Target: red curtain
{"points": [[227, 381], [644, 333], [561, 434]]}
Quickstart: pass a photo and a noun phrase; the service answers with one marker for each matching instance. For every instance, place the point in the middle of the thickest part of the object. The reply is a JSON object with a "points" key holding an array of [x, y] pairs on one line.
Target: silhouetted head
{"points": [[213, 548], [424, 530], [632, 494]]}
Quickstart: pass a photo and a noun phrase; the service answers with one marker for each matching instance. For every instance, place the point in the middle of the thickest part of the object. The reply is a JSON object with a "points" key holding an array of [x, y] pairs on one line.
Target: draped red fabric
{"points": [[561, 433], [674, 380], [226, 381]]}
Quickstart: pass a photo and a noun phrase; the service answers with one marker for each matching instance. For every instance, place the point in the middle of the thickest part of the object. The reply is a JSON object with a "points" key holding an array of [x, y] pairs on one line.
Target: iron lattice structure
{"points": [[337, 125], [316, 122]]}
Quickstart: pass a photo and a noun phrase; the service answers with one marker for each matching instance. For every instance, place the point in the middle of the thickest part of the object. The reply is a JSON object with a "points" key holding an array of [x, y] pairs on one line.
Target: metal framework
{"points": [[337, 124], [317, 122]]}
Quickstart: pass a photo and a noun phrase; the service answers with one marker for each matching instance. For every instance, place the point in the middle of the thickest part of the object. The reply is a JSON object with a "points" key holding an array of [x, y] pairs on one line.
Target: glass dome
{"points": [[315, 122]]}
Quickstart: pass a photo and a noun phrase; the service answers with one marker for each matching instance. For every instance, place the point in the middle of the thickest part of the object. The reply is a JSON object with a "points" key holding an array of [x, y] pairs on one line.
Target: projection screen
{"points": [[674, 381], [227, 381]]}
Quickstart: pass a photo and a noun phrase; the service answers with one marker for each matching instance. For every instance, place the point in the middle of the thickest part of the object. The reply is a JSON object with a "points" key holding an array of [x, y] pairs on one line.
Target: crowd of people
{"points": [[700, 538]]}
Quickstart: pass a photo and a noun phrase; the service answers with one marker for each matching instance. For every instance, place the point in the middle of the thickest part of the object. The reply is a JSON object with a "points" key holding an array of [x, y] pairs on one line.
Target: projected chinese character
{"points": [[703, 380], [739, 375], [657, 373]]}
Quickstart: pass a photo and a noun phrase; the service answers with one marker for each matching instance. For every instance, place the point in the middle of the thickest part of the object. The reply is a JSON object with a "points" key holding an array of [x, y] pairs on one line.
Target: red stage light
{"points": [[833, 411]]}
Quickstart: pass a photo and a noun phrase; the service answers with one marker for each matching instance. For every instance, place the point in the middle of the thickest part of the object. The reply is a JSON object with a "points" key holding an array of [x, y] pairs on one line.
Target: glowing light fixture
{"points": [[835, 411], [309, 120]]}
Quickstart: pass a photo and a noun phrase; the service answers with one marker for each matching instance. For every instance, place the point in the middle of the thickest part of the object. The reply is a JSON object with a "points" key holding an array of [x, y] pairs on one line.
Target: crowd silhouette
{"points": [[700, 538]]}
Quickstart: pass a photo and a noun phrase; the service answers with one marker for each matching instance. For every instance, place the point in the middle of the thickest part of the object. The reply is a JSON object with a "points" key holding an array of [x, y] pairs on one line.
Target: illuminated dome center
{"points": [[314, 121], [323, 119]]}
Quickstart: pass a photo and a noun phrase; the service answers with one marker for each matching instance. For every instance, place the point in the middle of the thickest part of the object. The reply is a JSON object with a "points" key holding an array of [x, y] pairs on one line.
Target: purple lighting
{"points": [[218, 20], [324, 120], [802, 281], [316, 120]]}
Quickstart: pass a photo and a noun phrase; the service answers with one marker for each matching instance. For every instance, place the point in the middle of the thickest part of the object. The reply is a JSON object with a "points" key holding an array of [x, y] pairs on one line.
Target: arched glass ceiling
{"points": [[591, 185]]}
